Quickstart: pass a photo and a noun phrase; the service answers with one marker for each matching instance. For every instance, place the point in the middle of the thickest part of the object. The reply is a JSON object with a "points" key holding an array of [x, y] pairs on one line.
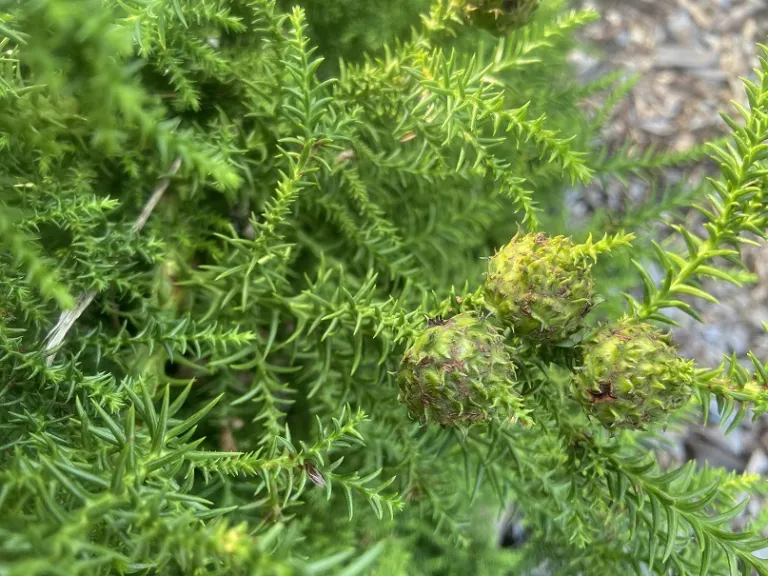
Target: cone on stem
{"points": [[632, 377], [458, 372], [540, 286]]}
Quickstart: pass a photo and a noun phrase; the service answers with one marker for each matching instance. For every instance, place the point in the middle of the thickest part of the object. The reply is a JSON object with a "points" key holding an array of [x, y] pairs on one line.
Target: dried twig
{"points": [[68, 317]]}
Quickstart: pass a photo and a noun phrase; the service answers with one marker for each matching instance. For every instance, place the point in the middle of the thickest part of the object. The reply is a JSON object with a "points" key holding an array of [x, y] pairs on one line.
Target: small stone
{"points": [[681, 26], [676, 56], [758, 463], [658, 127]]}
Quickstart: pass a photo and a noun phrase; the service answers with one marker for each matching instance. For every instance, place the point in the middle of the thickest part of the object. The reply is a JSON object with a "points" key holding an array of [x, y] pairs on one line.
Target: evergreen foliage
{"points": [[214, 254]]}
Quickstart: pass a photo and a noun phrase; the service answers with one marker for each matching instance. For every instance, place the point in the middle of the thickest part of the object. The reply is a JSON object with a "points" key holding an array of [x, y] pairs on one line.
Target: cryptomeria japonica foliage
{"points": [[261, 314]]}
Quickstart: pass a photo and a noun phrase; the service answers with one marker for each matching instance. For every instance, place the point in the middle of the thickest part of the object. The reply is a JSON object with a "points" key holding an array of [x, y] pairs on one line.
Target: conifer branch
{"points": [[67, 318], [737, 206], [329, 245]]}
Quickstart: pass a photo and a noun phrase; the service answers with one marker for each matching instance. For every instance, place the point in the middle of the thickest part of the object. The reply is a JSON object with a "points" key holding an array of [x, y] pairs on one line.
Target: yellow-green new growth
{"points": [[458, 372], [540, 286], [500, 17], [632, 376]]}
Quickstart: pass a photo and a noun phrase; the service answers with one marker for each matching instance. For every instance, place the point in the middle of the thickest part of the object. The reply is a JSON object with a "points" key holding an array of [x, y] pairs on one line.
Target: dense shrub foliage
{"points": [[219, 255]]}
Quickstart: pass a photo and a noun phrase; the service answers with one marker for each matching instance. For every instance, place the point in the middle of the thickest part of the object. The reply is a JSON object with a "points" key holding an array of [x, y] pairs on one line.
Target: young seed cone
{"points": [[540, 287], [458, 372], [632, 377]]}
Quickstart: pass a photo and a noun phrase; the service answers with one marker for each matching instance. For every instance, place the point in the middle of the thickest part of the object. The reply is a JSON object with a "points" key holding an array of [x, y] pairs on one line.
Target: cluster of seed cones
{"points": [[539, 289]]}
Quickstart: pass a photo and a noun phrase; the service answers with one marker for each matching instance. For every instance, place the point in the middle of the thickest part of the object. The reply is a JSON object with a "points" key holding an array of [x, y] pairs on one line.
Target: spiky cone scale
{"points": [[632, 376], [540, 287], [499, 17], [458, 372]]}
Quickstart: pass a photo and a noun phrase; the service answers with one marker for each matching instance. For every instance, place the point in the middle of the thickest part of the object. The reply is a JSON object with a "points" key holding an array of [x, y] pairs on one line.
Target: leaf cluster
{"points": [[226, 403]]}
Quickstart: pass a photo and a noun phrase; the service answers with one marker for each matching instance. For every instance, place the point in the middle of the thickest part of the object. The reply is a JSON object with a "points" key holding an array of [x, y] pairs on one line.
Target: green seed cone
{"points": [[458, 372], [500, 17], [540, 287], [632, 377]]}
